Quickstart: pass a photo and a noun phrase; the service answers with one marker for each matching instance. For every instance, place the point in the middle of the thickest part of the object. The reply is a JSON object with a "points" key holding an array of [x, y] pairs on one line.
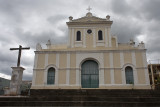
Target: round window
{"points": [[89, 31]]}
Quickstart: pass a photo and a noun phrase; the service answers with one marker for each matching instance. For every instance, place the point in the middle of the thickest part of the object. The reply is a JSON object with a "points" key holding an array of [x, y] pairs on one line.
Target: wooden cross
{"points": [[89, 9], [19, 55]]}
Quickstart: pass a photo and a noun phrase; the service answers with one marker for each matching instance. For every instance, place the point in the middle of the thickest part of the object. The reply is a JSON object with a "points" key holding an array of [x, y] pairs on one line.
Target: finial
{"points": [[38, 47], [89, 9], [70, 18], [108, 18]]}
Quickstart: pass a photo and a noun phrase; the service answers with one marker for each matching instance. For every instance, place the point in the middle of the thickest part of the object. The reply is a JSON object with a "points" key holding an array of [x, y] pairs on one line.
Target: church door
{"points": [[90, 74]]}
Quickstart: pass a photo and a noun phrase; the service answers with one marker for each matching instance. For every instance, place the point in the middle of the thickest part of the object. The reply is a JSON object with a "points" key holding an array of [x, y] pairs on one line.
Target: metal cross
{"points": [[19, 55], [89, 9]]}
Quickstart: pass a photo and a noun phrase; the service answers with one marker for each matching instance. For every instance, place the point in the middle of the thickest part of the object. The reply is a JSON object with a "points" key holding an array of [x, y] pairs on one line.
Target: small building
{"points": [[92, 59], [3, 83], [154, 72]]}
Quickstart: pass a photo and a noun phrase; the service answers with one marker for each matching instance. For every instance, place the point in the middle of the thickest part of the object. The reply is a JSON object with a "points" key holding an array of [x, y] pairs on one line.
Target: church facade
{"points": [[92, 59]]}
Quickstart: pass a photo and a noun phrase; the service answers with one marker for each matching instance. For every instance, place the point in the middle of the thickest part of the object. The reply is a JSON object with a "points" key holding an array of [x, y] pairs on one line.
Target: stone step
{"points": [[95, 92], [86, 98], [80, 103]]}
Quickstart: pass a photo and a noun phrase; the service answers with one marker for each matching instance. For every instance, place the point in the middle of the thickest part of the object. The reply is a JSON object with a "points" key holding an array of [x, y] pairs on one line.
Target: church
{"points": [[92, 59]]}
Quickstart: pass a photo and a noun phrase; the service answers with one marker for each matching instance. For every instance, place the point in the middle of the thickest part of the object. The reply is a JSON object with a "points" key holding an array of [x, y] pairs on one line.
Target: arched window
{"points": [[78, 36], [100, 35], [51, 76], [129, 75]]}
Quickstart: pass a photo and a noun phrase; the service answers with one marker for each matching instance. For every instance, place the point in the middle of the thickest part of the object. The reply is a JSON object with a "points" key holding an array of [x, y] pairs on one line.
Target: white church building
{"points": [[92, 59]]}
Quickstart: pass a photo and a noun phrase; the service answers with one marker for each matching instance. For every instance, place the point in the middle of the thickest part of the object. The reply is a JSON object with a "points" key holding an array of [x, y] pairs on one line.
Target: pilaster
{"points": [[57, 72], [134, 70], [122, 63], [72, 38], [106, 38], [68, 71], [145, 70], [111, 67], [94, 38], [84, 38]]}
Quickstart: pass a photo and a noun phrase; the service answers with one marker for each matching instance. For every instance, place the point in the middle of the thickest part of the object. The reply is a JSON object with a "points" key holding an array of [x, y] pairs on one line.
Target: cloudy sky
{"points": [[28, 22]]}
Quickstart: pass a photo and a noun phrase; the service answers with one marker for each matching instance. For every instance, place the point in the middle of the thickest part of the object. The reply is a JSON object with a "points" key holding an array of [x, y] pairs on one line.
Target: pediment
{"points": [[88, 19]]}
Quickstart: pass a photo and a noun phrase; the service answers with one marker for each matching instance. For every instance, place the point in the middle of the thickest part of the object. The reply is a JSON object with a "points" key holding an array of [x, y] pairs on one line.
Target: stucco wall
{"points": [[103, 58]]}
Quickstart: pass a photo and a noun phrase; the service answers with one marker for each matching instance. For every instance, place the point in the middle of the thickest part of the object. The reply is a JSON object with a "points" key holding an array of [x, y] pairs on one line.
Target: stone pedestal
{"points": [[16, 80]]}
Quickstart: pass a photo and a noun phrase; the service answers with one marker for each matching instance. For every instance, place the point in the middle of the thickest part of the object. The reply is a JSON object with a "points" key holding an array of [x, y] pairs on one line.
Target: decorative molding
{"points": [[89, 27], [87, 51], [80, 69]]}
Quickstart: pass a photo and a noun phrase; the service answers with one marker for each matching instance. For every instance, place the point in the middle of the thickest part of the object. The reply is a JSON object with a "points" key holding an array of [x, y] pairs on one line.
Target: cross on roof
{"points": [[19, 55], [89, 9]]}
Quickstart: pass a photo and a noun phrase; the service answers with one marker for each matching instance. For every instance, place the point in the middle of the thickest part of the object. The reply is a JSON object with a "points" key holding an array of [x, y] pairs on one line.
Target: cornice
{"points": [[88, 51]]}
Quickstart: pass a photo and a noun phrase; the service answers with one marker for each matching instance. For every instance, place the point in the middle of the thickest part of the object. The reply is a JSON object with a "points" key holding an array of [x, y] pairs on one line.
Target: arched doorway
{"points": [[90, 74]]}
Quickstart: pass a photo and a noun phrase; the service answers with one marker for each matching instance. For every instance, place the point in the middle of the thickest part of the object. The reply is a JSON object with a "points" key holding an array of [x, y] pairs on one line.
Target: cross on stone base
{"points": [[20, 51], [17, 74]]}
